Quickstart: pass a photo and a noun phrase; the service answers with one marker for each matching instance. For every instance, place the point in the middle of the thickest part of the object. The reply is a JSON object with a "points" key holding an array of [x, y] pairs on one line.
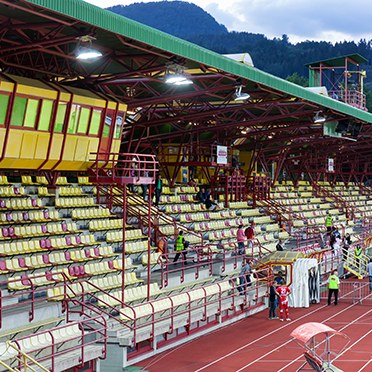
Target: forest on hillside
{"points": [[276, 56]]}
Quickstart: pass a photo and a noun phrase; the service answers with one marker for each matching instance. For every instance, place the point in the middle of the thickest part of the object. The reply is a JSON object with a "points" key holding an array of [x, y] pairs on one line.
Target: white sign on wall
{"points": [[331, 165], [221, 154]]}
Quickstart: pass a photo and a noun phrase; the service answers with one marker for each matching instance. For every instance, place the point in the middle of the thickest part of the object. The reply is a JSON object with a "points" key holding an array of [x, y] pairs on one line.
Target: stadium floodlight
{"points": [[175, 75], [239, 96], [319, 118], [85, 51]]}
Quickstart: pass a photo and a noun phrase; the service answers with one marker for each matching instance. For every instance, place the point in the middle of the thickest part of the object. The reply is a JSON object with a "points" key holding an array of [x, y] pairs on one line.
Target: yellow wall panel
{"points": [[55, 152], [93, 146], [88, 101], [49, 164], [65, 96], [28, 145], [82, 149], [70, 148], [123, 107], [42, 145], [2, 136], [6, 86], [36, 92], [112, 105], [20, 164], [115, 146], [13, 148]]}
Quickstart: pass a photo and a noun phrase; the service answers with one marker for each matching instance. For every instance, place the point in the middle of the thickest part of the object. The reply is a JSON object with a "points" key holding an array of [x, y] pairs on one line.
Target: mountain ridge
{"points": [[276, 56]]}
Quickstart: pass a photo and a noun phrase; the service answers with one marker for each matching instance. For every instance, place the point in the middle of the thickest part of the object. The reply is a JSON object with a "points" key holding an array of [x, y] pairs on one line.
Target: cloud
{"points": [[331, 20]]}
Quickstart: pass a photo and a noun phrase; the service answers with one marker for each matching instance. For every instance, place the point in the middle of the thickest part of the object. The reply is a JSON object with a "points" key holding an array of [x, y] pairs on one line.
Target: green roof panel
{"points": [[112, 22], [340, 61]]}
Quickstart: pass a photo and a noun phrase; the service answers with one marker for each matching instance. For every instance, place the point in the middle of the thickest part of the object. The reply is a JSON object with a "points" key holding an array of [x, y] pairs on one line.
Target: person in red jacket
{"points": [[283, 292], [249, 234]]}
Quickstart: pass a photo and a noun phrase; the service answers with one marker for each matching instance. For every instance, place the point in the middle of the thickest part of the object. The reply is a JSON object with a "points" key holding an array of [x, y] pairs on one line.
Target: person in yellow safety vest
{"points": [[180, 247], [329, 222], [333, 284], [358, 253]]}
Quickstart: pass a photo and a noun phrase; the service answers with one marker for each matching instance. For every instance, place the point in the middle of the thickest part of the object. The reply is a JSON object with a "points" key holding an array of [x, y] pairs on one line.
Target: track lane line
{"points": [[258, 339], [368, 363], [289, 341], [351, 323], [355, 342]]}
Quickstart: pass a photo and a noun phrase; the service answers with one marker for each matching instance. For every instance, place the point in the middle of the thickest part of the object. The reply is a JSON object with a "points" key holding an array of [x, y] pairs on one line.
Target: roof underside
{"points": [[39, 41], [355, 59]]}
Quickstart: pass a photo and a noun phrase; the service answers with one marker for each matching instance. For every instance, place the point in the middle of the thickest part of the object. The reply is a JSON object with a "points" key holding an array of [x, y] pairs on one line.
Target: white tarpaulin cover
{"points": [[301, 282]]}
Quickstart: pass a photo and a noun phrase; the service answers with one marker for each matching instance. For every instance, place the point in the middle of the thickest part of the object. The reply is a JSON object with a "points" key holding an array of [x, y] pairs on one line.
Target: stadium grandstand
{"points": [[109, 130]]}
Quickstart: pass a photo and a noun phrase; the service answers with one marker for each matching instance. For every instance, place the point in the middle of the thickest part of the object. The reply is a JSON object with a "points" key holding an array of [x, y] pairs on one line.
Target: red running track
{"points": [[257, 344]]}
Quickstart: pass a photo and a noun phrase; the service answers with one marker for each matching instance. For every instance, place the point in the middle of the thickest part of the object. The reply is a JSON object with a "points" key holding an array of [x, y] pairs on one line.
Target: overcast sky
{"points": [[330, 20]]}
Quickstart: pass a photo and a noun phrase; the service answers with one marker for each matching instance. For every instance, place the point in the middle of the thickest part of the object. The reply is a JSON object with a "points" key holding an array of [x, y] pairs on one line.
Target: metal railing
{"points": [[93, 331], [355, 292], [123, 168], [202, 257], [29, 363]]}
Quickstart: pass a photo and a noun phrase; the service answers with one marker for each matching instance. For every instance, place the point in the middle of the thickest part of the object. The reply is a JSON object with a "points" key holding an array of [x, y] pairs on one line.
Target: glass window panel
{"points": [[4, 101], [18, 113], [119, 124], [83, 120], [61, 113], [74, 117], [31, 113], [95, 122], [107, 125], [45, 114]]}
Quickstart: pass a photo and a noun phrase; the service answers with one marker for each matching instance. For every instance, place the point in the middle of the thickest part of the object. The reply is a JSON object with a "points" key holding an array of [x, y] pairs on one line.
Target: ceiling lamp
{"points": [[84, 50], [319, 118], [239, 96], [175, 75]]}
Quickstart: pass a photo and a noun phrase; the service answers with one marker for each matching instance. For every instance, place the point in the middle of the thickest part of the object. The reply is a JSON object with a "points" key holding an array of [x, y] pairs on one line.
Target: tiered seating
{"points": [[87, 214], [117, 236], [84, 181], [112, 224], [184, 208], [150, 260], [165, 304], [59, 347], [137, 246], [130, 295], [94, 285], [74, 202], [19, 204]]}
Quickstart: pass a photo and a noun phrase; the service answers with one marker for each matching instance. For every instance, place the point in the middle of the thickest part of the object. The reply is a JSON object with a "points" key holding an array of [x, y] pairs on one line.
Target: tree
{"points": [[368, 94], [298, 79]]}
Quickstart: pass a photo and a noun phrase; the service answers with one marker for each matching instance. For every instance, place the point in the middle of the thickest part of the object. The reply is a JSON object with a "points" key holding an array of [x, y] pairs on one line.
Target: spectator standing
{"points": [[279, 280], [158, 189], [244, 277], [283, 292], [144, 187], [272, 301], [333, 284], [180, 247], [369, 268], [329, 222], [357, 254], [332, 242], [240, 236], [346, 242], [249, 234]]}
